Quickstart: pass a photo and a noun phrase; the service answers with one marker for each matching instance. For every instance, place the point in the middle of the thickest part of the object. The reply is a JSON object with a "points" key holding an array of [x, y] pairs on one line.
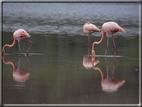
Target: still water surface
{"points": [[58, 69]]}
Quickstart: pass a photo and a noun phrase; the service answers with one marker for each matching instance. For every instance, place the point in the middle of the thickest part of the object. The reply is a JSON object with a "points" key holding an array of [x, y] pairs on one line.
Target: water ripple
{"points": [[68, 18]]}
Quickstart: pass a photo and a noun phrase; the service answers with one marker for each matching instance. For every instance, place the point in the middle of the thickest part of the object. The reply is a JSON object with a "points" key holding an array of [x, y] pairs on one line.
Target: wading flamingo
{"points": [[89, 28], [18, 36], [108, 28]]}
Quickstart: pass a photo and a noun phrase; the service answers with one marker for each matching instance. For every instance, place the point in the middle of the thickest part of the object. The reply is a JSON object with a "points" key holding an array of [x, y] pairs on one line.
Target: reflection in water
{"points": [[108, 84], [19, 74], [87, 61]]}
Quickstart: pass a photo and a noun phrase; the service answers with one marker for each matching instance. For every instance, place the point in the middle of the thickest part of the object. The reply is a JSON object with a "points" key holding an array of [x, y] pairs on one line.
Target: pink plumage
{"points": [[19, 33], [18, 36], [89, 28], [111, 28], [108, 28]]}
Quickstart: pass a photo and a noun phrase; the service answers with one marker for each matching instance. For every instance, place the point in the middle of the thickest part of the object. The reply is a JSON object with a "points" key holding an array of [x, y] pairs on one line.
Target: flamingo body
{"points": [[89, 28], [111, 28], [20, 33]]}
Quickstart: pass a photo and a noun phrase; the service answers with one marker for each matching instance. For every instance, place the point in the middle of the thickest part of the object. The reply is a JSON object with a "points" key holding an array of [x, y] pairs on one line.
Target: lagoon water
{"points": [[54, 71]]}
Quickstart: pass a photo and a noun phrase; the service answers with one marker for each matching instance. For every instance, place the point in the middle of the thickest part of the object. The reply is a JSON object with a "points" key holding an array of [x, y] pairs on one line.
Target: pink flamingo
{"points": [[18, 36], [89, 28], [108, 28]]}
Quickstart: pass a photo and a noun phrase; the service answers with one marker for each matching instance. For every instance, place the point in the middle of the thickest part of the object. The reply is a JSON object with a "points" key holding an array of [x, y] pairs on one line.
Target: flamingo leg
{"points": [[106, 53], [29, 46], [114, 45], [115, 55], [19, 47], [107, 44], [89, 40], [88, 50]]}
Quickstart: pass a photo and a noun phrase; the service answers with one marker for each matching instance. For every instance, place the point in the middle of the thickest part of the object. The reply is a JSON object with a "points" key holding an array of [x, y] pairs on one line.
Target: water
{"points": [[68, 18], [54, 72]]}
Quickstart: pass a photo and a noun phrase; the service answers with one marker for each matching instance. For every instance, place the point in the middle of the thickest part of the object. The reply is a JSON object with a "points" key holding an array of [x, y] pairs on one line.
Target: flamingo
{"points": [[108, 28], [89, 28], [18, 36]]}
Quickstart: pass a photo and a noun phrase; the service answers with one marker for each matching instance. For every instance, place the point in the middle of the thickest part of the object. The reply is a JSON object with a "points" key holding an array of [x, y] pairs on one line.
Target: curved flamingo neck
{"points": [[103, 35], [7, 45]]}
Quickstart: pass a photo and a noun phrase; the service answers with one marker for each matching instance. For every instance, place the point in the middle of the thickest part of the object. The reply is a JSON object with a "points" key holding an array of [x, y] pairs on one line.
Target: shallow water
{"points": [[54, 71]]}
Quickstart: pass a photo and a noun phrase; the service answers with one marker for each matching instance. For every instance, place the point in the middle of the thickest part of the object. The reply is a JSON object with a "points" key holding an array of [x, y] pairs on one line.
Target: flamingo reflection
{"points": [[87, 61], [108, 84], [19, 74]]}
